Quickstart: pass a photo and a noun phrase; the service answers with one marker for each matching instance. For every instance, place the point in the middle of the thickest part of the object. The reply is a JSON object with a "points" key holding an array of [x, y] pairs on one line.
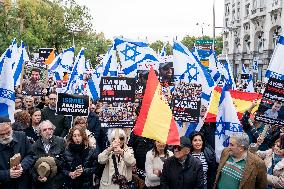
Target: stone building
{"points": [[251, 29]]}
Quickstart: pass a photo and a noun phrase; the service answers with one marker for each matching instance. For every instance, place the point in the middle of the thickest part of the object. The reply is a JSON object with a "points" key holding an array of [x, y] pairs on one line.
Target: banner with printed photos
{"points": [[271, 109], [186, 102], [117, 97], [72, 104]]}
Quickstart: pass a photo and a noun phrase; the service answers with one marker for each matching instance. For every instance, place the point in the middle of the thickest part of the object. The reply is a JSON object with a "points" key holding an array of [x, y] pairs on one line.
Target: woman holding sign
{"points": [[119, 160]]}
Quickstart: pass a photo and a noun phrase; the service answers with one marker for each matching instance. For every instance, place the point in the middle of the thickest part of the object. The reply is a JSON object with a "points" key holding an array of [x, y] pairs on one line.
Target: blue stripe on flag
{"points": [[5, 93], [281, 40], [93, 90]]}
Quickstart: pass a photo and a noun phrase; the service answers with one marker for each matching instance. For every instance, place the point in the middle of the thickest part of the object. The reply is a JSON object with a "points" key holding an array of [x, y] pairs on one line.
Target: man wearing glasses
{"points": [[12, 143], [182, 170]]}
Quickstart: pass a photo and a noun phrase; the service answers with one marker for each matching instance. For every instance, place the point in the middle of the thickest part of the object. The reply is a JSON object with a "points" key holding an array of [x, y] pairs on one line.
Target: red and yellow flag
{"points": [[155, 120], [50, 58], [242, 101]]}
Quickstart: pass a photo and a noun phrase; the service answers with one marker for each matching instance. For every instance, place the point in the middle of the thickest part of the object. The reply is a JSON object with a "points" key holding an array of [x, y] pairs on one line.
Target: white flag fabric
{"points": [[276, 68], [7, 92], [227, 122], [187, 68], [255, 65], [135, 55]]}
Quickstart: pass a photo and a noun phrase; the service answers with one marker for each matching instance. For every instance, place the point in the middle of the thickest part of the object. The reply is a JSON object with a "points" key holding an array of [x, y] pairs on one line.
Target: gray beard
{"points": [[7, 140], [52, 107]]}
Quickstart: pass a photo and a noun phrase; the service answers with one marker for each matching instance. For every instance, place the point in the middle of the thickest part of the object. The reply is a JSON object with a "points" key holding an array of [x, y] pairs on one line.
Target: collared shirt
{"points": [[46, 146]]}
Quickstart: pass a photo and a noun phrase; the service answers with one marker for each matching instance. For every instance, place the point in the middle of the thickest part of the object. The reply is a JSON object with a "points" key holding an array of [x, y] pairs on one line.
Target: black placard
{"points": [[186, 102], [72, 104], [44, 52], [271, 108]]}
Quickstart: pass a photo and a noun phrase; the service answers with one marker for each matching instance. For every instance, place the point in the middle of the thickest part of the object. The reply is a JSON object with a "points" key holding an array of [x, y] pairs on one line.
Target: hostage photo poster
{"points": [[186, 102], [72, 104], [271, 110], [117, 98]]}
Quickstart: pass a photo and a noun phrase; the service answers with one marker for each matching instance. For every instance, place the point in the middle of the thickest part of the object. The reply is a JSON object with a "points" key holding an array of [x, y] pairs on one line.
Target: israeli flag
{"points": [[276, 68], [213, 69], [22, 58], [62, 63], [228, 74], [255, 65], [187, 68], [14, 53], [227, 122], [7, 92], [135, 55], [108, 66], [163, 51], [244, 70], [250, 87], [75, 82]]}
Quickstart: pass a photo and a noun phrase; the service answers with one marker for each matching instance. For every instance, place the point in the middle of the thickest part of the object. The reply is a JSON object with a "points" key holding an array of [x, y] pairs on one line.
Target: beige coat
{"points": [[277, 179], [254, 175], [124, 167]]}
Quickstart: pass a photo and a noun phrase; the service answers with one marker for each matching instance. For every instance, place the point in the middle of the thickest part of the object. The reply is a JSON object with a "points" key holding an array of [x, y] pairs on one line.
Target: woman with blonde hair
{"points": [[118, 159]]}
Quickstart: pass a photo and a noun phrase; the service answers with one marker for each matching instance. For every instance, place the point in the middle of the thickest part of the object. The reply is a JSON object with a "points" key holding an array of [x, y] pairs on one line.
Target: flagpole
{"points": [[213, 45]]}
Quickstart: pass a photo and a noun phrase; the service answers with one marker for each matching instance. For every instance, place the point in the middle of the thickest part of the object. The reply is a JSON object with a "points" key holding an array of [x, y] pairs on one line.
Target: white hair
{"points": [[44, 123], [111, 134], [242, 140]]}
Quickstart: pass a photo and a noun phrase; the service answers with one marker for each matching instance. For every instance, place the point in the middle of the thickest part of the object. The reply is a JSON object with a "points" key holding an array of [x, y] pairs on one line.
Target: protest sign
{"points": [[244, 76], [35, 77], [271, 108], [44, 52], [166, 74], [186, 102], [117, 96], [72, 104]]}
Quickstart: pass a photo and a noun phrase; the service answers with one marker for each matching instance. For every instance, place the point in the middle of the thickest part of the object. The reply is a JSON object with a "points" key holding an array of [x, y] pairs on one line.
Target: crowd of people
{"points": [[44, 150]]}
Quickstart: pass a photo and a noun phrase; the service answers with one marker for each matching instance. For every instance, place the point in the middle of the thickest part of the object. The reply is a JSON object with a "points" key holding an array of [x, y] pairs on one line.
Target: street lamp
{"points": [[74, 30], [202, 27]]}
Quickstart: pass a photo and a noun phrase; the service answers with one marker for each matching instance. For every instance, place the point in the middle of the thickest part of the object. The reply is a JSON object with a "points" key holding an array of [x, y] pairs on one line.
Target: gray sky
{"points": [[154, 19]]}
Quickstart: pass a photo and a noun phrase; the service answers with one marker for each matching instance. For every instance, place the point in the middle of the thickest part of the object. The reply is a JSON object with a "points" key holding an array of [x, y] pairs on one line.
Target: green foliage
{"points": [[44, 23]]}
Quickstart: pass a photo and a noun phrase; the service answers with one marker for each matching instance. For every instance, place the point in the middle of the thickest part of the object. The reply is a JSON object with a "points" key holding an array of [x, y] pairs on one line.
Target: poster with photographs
{"points": [[271, 108], [186, 102], [117, 97], [166, 74], [34, 78]]}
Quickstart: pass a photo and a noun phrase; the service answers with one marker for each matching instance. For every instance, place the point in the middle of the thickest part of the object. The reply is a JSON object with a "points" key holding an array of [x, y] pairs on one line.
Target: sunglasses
{"points": [[177, 147]]}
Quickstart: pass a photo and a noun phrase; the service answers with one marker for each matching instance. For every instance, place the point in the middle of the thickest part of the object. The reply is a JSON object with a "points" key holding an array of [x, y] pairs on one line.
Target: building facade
{"points": [[251, 29]]}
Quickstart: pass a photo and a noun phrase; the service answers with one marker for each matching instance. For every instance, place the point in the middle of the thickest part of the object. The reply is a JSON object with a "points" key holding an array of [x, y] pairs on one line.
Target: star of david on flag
{"points": [[227, 124], [135, 55]]}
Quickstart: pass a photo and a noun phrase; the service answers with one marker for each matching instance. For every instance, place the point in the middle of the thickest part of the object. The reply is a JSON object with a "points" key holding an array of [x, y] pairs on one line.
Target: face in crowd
{"points": [[18, 103], [35, 75], [166, 72], [180, 152], [46, 130], [197, 143], [52, 101], [36, 117], [160, 146], [77, 137], [6, 133], [29, 102]]}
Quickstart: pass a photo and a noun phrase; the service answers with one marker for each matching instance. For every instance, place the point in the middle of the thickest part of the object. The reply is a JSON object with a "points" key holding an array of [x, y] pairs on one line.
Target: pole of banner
{"points": [[213, 45], [183, 130], [116, 134], [22, 77]]}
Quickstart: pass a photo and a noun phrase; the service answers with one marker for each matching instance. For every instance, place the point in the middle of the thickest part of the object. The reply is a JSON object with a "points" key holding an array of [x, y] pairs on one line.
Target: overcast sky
{"points": [[155, 19]]}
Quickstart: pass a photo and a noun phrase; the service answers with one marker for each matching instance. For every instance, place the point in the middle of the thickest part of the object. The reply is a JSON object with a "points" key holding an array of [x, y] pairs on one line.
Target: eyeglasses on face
{"points": [[177, 147]]}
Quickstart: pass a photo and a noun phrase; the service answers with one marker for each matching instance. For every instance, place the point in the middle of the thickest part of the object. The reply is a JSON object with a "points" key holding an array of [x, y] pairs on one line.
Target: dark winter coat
{"points": [[94, 125], [31, 134], [212, 166], [21, 145], [57, 148], [74, 156], [61, 122], [174, 175], [208, 131], [140, 147]]}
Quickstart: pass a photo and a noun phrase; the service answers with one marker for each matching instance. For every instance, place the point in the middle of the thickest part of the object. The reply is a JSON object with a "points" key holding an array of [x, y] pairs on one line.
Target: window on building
{"points": [[247, 44], [260, 42], [277, 31], [247, 10]]}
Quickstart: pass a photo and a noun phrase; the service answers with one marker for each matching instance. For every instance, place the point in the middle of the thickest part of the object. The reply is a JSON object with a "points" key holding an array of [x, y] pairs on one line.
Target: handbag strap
{"points": [[115, 164]]}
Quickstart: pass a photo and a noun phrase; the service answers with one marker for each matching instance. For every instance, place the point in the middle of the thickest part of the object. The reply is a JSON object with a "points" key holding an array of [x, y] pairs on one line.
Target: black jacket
{"points": [[31, 134], [175, 176], [21, 145], [61, 122], [140, 147], [212, 166], [57, 147], [94, 125], [208, 131], [73, 157]]}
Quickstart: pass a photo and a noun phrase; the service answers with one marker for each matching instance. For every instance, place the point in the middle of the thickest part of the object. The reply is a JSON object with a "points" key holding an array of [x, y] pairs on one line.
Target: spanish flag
{"points": [[155, 120], [50, 57], [242, 101]]}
